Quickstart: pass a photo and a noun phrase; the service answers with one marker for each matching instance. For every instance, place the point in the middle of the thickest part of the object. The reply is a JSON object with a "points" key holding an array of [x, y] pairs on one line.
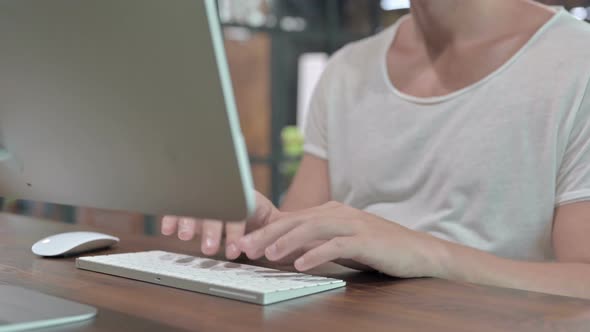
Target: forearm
{"points": [[310, 187], [461, 263]]}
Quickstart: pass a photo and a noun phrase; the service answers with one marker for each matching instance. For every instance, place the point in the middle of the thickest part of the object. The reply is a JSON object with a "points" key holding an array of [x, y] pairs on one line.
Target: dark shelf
{"points": [[286, 46]]}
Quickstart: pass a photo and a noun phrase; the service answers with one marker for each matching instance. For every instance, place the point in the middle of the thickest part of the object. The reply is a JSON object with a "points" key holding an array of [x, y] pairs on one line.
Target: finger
{"points": [[256, 242], [264, 214], [275, 225], [187, 228], [307, 233], [233, 232], [211, 236], [338, 247], [290, 258], [169, 225]]}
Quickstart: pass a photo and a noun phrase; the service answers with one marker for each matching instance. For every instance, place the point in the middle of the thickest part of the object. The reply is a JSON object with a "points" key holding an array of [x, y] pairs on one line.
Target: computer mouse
{"points": [[65, 244]]}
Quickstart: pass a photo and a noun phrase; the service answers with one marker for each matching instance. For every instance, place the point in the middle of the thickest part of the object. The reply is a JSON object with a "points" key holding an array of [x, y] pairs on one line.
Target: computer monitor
{"points": [[121, 105]]}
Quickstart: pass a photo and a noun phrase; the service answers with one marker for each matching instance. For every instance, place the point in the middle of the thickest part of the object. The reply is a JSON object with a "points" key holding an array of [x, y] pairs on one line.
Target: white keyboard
{"points": [[226, 279]]}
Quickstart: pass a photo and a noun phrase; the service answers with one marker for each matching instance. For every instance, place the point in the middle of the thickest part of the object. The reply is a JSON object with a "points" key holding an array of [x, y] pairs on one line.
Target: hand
{"points": [[211, 230], [335, 231]]}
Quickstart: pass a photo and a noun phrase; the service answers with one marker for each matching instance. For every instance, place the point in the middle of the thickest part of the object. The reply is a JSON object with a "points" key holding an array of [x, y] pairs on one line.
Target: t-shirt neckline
{"points": [[439, 99]]}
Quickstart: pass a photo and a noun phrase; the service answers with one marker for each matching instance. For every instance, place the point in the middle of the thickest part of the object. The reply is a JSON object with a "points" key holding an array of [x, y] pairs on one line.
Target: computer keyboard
{"points": [[221, 278]]}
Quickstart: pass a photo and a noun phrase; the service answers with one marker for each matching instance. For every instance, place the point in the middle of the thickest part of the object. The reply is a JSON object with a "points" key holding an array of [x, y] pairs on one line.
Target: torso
{"points": [[483, 166]]}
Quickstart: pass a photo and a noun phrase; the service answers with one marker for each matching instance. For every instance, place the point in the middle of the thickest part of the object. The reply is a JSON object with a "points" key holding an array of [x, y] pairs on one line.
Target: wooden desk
{"points": [[370, 302]]}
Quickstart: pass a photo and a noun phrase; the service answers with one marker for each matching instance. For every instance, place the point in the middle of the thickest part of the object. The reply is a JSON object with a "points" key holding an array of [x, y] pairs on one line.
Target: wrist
{"points": [[437, 254], [453, 261]]}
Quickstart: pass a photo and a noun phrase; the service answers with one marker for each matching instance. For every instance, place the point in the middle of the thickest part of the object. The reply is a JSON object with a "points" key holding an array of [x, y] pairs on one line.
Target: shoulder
{"points": [[358, 61], [557, 62], [566, 38], [568, 24], [365, 51]]}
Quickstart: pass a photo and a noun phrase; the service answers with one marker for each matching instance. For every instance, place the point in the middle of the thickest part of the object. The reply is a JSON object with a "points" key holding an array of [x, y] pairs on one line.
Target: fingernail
{"points": [[271, 251], [184, 235], [231, 250], [299, 264], [245, 241], [209, 242]]}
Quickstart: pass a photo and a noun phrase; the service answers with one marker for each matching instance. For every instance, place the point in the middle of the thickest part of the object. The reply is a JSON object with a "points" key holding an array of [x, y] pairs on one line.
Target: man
{"points": [[454, 144]]}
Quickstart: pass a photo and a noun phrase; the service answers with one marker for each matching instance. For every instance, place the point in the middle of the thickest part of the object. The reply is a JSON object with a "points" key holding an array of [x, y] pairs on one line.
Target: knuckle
{"points": [[312, 256], [322, 224], [333, 204], [281, 243], [339, 243], [319, 226], [358, 224], [264, 232]]}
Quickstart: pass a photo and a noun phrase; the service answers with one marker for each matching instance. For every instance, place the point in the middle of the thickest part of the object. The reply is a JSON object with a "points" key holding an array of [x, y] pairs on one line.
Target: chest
{"points": [[419, 72], [392, 148]]}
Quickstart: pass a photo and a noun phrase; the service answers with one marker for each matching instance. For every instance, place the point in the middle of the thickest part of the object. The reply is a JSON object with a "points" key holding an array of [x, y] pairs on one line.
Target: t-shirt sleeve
{"points": [[573, 179], [315, 131]]}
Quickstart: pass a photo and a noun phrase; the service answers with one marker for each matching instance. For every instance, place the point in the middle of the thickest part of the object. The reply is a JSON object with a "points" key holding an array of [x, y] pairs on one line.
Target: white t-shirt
{"points": [[484, 166]]}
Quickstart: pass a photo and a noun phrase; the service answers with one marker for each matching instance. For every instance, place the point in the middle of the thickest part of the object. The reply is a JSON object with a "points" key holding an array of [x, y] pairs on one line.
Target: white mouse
{"points": [[72, 243]]}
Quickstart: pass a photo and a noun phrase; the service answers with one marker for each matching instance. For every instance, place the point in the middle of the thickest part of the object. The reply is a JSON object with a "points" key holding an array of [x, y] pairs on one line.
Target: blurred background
{"points": [[276, 50]]}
